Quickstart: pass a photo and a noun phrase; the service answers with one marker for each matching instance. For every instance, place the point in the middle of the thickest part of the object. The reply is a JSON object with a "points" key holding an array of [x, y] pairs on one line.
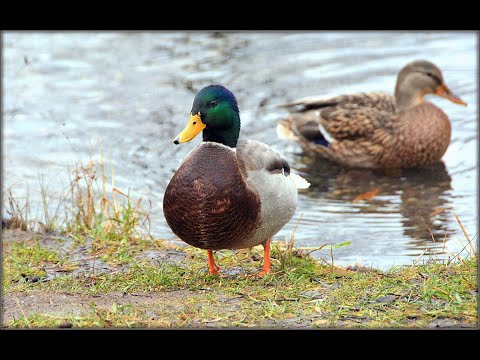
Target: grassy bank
{"points": [[98, 266], [171, 288]]}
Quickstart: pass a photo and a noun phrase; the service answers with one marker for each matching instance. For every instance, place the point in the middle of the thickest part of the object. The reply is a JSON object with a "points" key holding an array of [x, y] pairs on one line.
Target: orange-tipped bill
{"points": [[445, 92], [193, 128]]}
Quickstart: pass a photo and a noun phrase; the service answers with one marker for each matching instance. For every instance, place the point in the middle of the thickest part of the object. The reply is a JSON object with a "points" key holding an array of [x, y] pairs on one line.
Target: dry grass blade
{"points": [[115, 190], [457, 255], [292, 237], [331, 257], [418, 259], [19, 214], [334, 267], [285, 255], [104, 194], [51, 215], [315, 249], [465, 233], [428, 250], [23, 313], [440, 210], [444, 243], [83, 198]]}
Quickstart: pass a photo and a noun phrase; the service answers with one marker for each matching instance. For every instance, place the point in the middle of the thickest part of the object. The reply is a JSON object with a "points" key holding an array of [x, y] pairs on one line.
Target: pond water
{"points": [[69, 94]]}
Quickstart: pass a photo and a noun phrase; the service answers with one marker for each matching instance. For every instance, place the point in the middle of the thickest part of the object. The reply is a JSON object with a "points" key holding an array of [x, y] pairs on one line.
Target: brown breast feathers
{"points": [[422, 137], [207, 203]]}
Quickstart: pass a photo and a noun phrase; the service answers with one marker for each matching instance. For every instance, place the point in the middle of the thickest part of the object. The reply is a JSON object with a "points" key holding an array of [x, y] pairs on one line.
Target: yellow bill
{"points": [[193, 128]]}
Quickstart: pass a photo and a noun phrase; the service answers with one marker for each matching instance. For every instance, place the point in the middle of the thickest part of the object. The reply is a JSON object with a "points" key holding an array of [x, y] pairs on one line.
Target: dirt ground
{"points": [[18, 304], [159, 305]]}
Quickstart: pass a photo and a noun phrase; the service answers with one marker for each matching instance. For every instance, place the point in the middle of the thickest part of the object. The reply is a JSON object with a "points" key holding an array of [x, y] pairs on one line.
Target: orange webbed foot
{"points": [[266, 261], [262, 273], [213, 268]]}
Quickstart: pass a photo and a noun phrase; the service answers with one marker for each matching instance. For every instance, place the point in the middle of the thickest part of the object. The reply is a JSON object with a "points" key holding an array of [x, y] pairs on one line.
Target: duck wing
{"points": [[256, 156], [379, 101], [345, 117]]}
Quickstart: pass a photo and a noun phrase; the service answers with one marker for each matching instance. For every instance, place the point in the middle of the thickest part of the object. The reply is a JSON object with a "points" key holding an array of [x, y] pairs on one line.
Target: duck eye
{"points": [[429, 74], [213, 103]]}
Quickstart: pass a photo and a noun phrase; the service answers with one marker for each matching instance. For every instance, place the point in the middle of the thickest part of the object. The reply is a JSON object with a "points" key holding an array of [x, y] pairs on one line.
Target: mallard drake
{"points": [[228, 193], [376, 130]]}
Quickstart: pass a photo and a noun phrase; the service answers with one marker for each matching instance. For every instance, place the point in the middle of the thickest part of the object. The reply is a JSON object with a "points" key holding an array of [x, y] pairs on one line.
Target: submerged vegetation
{"points": [[92, 262]]}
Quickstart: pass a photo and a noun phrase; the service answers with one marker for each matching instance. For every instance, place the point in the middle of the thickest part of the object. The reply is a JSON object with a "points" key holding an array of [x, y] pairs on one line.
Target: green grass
{"points": [[410, 296], [24, 260], [118, 316]]}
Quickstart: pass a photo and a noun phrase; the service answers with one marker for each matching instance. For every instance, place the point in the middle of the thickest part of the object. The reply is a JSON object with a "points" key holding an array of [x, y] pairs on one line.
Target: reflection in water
{"points": [[424, 206], [419, 196]]}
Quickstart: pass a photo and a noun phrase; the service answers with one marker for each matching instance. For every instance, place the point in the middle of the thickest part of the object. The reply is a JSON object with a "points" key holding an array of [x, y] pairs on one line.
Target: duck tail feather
{"points": [[299, 181], [284, 131]]}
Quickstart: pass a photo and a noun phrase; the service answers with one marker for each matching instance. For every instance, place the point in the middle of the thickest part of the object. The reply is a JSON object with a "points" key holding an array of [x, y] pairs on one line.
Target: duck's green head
{"points": [[215, 111]]}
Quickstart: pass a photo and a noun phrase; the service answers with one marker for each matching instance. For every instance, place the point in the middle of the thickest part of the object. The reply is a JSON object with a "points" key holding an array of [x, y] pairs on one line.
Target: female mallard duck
{"points": [[228, 194], [376, 130]]}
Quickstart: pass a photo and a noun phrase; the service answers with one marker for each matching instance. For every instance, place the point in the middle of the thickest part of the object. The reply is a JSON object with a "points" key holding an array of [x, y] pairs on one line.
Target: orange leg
{"points": [[266, 259], [213, 268]]}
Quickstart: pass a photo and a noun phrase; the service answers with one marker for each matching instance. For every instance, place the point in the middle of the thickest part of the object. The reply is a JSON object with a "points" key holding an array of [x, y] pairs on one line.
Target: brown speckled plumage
{"points": [[372, 130], [209, 205]]}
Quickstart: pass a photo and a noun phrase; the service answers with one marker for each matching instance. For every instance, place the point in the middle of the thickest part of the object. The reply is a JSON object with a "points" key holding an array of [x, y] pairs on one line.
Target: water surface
{"points": [[66, 95]]}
